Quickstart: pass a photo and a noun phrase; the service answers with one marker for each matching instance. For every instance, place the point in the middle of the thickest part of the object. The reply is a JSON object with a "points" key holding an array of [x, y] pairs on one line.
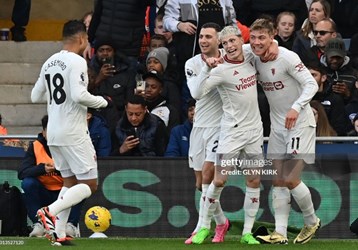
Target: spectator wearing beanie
{"points": [[157, 60]]}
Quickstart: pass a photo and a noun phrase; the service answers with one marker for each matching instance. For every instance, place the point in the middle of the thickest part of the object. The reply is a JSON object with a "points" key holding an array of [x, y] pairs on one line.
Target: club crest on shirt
{"points": [[273, 71]]}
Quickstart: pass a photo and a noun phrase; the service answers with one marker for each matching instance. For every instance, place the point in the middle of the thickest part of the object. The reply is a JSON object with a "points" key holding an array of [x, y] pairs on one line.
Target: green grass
{"points": [[232, 242]]}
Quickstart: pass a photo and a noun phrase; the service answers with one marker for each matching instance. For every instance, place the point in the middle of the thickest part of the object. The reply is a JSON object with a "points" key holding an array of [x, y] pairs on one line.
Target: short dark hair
{"points": [[191, 102], [136, 99], [317, 67], [44, 122], [213, 25], [159, 37], [72, 28]]}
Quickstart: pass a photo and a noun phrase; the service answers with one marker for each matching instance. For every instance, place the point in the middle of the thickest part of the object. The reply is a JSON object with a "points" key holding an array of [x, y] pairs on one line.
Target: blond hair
{"points": [[264, 24]]}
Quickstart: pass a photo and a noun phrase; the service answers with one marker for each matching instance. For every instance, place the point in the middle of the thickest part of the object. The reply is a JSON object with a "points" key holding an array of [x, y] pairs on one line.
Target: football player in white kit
{"points": [[205, 133], [63, 84], [289, 88], [241, 133]]}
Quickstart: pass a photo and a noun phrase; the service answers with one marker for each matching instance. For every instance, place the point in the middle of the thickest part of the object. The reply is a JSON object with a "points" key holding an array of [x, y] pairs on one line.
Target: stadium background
{"points": [[154, 197]]}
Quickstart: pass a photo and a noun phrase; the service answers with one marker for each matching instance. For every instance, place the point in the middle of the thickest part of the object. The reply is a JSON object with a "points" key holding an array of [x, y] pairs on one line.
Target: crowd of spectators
{"points": [[168, 32], [153, 39]]}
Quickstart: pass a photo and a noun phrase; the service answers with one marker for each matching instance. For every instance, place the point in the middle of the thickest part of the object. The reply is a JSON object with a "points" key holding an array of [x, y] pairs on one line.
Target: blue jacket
{"points": [[100, 136], [179, 140]]}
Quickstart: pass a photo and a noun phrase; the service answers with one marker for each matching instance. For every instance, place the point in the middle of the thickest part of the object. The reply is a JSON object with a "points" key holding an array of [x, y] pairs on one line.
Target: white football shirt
{"points": [[287, 84], [236, 83], [208, 107], [63, 83]]}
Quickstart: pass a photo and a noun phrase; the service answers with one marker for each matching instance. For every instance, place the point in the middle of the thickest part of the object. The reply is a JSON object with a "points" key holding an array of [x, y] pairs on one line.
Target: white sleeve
{"points": [[309, 85], [197, 81], [171, 16], [38, 93], [79, 93]]}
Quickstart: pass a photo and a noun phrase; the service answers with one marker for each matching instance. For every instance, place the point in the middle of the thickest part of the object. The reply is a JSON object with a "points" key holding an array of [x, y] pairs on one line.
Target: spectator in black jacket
{"points": [[333, 104], [112, 78], [342, 76], [138, 132]]}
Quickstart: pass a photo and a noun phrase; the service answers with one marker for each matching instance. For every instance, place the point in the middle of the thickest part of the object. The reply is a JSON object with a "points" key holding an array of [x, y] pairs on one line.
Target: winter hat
{"points": [[155, 75], [161, 54], [335, 47], [100, 43]]}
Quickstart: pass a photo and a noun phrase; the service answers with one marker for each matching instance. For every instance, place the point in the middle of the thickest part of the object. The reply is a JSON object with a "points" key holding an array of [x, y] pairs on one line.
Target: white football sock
{"points": [[73, 196], [281, 202], [302, 196], [251, 206], [62, 217], [219, 216], [210, 204], [204, 188]]}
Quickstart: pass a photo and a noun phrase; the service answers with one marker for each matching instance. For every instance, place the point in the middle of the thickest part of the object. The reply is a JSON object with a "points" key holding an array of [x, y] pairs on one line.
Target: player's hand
{"points": [[129, 143], [272, 52], [49, 167], [291, 118], [187, 27], [213, 62]]}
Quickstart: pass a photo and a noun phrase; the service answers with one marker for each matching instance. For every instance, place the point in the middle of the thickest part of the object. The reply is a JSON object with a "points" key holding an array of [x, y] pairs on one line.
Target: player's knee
{"points": [[279, 183], [253, 183], [291, 184], [208, 176], [219, 182], [93, 188], [198, 186]]}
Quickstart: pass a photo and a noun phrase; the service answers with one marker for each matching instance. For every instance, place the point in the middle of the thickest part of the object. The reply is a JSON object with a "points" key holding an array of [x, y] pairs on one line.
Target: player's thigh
{"points": [[203, 143], [301, 143], [196, 149], [276, 147], [82, 160]]}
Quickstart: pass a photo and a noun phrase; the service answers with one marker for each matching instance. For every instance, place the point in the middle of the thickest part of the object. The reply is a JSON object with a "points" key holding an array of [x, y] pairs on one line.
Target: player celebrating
{"points": [[289, 87], [63, 83], [206, 127], [241, 133]]}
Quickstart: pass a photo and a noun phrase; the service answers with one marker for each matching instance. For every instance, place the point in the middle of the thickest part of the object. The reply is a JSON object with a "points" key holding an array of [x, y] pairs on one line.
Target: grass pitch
{"points": [[231, 242]]}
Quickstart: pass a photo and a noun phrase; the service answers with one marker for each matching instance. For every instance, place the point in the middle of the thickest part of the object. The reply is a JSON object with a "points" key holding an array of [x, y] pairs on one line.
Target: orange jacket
{"points": [[51, 181]]}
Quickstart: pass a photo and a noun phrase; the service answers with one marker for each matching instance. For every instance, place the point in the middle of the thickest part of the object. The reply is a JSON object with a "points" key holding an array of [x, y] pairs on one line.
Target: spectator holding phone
{"points": [[112, 77], [138, 132], [341, 74]]}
